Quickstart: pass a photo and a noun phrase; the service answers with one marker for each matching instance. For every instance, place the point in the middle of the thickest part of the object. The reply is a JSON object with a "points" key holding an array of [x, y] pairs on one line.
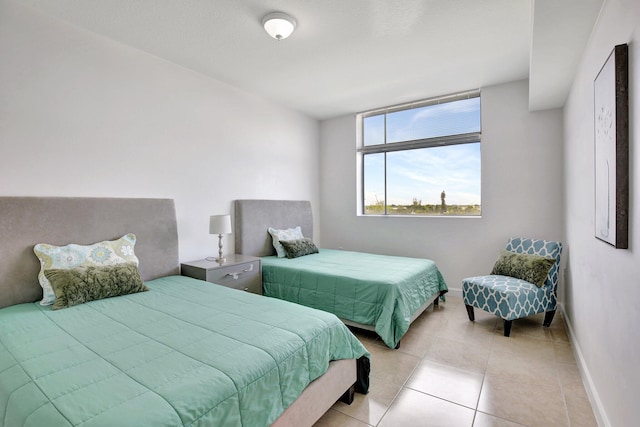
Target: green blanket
{"points": [[185, 353], [379, 290]]}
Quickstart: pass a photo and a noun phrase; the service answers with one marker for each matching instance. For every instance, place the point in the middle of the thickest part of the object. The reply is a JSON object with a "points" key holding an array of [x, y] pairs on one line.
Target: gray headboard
{"points": [[254, 217], [26, 221]]}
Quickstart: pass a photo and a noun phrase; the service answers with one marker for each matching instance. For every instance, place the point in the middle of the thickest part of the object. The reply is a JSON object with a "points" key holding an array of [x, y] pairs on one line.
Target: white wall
{"points": [[522, 191], [81, 115], [603, 283]]}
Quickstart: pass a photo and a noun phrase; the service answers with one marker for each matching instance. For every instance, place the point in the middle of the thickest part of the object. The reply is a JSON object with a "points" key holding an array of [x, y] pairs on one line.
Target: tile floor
{"points": [[452, 372]]}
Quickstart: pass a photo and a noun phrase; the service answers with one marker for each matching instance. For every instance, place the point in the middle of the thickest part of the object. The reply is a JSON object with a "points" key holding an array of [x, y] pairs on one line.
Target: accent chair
{"points": [[509, 297]]}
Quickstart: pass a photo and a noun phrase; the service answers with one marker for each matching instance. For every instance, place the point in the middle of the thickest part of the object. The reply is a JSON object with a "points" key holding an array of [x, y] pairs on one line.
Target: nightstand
{"points": [[238, 272]]}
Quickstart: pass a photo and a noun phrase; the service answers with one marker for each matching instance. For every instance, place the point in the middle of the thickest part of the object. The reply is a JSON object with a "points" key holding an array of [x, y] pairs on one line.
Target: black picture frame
{"points": [[611, 149]]}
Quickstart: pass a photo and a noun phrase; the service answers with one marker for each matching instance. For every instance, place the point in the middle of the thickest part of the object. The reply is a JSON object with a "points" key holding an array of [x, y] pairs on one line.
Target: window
{"points": [[422, 158]]}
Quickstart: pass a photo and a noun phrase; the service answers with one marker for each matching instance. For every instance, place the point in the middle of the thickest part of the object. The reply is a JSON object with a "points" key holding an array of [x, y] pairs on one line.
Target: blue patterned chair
{"points": [[511, 298]]}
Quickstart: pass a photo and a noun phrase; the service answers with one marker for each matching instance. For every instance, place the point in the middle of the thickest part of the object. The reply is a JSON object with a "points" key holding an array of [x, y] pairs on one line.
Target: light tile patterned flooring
{"points": [[452, 372]]}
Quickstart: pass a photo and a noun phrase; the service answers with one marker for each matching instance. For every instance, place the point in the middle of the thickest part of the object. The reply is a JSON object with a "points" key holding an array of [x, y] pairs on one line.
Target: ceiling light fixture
{"points": [[279, 25]]}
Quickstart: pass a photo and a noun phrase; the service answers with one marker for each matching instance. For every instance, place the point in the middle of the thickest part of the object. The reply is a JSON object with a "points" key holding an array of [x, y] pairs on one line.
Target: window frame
{"points": [[388, 147]]}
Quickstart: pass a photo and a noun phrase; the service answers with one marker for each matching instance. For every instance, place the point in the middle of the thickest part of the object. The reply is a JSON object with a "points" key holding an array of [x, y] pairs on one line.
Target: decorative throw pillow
{"points": [[532, 268], [118, 251], [299, 247], [284, 234], [90, 283]]}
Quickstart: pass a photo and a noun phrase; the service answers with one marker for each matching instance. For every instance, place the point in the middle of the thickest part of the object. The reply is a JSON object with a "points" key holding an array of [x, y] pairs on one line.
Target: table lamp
{"points": [[219, 224]]}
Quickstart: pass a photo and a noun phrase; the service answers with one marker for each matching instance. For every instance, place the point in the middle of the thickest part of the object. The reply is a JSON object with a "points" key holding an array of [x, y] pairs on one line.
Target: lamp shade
{"points": [[279, 25], [220, 224]]}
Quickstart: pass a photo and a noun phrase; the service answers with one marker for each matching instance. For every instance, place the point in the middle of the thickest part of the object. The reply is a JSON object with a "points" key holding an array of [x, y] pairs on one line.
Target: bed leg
{"points": [[397, 346], [436, 302], [347, 397]]}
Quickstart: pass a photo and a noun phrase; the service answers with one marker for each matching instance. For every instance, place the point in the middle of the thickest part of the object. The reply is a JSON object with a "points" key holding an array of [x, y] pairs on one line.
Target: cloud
{"points": [[435, 120], [425, 173]]}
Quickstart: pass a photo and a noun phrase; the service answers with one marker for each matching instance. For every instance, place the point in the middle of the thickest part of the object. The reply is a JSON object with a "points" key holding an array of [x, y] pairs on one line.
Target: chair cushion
{"points": [[507, 297], [544, 248], [532, 268]]}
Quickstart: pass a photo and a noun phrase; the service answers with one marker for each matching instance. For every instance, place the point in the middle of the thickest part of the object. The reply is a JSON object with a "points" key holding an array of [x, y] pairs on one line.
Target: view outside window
{"points": [[423, 159]]}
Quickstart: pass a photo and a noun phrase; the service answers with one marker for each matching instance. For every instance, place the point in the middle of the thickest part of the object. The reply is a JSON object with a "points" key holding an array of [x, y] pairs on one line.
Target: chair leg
{"points": [[548, 318], [507, 327], [470, 313]]}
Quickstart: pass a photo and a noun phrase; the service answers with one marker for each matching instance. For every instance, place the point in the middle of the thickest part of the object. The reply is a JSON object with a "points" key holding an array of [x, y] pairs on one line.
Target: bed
{"points": [[374, 292], [183, 352]]}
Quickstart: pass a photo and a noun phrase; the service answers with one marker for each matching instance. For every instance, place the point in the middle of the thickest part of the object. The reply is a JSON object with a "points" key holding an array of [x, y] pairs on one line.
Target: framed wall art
{"points": [[611, 122]]}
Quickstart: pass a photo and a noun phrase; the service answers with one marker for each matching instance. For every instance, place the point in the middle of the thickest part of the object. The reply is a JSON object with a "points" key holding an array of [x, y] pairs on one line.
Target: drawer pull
{"points": [[237, 274]]}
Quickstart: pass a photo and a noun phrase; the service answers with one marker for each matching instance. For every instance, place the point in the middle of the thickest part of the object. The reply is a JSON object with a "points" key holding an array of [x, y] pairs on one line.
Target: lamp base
{"points": [[220, 259]]}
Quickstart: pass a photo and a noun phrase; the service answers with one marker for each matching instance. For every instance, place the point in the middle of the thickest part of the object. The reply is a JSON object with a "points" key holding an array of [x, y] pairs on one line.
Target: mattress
{"points": [[184, 353], [378, 290]]}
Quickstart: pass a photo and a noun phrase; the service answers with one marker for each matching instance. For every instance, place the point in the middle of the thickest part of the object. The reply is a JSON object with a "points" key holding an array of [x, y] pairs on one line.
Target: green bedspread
{"points": [[185, 353], [379, 290]]}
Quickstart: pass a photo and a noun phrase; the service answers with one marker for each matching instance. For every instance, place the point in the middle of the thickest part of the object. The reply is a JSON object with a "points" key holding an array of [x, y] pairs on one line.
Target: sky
{"points": [[424, 173]]}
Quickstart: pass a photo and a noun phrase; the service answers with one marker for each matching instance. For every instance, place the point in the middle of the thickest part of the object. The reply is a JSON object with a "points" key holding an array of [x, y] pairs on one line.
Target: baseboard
{"points": [[594, 398], [454, 292]]}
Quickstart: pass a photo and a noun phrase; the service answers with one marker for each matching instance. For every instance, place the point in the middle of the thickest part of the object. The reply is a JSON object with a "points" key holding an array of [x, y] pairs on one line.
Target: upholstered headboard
{"points": [[26, 221], [254, 217]]}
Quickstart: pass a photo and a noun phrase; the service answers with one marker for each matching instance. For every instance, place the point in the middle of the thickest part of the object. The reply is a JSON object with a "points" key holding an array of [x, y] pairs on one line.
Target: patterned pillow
{"points": [[118, 251], [284, 234], [90, 283], [299, 247], [532, 268]]}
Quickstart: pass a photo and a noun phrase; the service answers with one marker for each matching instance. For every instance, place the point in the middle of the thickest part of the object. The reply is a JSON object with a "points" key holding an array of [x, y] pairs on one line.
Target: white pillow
{"points": [[71, 256], [284, 234]]}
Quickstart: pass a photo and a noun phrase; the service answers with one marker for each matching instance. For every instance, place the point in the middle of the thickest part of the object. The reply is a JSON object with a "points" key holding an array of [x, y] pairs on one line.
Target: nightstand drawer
{"points": [[239, 276], [238, 272]]}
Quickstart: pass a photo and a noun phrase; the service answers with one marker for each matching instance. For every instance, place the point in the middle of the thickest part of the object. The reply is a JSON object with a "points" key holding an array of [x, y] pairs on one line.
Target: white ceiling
{"points": [[348, 56]]}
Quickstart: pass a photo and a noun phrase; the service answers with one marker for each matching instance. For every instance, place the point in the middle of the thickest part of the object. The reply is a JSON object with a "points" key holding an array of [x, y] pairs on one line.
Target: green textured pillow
{"points": [[299, 247], [104, 253], [278, 235], [89, 283], [532, 268]]}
